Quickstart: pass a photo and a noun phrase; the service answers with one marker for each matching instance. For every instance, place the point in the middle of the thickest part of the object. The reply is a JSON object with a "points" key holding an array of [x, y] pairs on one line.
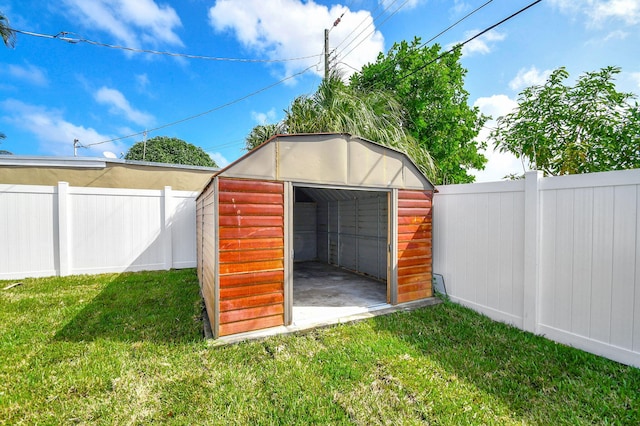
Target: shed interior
{"points": [[347, 231]]}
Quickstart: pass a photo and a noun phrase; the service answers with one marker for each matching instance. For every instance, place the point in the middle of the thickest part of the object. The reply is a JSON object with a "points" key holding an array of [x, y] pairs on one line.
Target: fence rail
{"points": [[63, 230], [557, 256]]}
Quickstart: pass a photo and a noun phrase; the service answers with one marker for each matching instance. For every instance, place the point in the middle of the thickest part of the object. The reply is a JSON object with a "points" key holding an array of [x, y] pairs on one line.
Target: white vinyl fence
{"points": [[557, 256], [63, 230]]}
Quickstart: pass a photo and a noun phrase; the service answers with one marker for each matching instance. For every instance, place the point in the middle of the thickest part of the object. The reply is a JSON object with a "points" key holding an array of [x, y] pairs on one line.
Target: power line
{"points": [[358, 26], [337, 21], [391, 65], [443, 31], [219, 107], [456, 23], [381, 24], [63, 36], [365, 28], [225, 144], [459, 45]]}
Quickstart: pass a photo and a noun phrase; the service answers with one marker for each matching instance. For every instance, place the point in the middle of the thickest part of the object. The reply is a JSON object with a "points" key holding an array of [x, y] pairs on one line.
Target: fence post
{"points": [[64, 254], [531, 294], [167, 219]]}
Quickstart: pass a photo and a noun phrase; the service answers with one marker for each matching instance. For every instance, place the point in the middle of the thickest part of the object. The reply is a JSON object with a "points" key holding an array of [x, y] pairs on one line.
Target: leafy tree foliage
{"points": [[263, 133], [562, 129], [163, 149], [9, 39], [338, 108], [6, 33], [2, 151], [429, 85]]}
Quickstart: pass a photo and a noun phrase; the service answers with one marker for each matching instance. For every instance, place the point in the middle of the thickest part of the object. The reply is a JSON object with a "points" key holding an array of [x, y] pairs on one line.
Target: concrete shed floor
{"points": [[324, 295], [323, 292]]}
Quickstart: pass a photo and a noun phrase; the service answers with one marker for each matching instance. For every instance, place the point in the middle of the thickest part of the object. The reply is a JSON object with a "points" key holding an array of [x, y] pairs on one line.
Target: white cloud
{"points": [[599, 11], [529, 77], [142, 81], [617, 35], [29, 73], [132, 22], [392, 5], [483, 44], [496, 105], [627, 11], [499, 164], [635, 77], [54, 133], [220, 160], [459, 7], [263, 118], [119, 105], [280, 29]]}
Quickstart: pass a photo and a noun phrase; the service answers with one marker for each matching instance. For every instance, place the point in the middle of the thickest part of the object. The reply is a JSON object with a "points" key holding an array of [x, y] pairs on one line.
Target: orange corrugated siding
{"points": [[414, 245], [251, 255]]}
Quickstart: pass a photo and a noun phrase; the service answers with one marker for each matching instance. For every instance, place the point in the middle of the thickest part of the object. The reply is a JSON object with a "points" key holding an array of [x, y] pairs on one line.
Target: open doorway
{"points": [[340, 242]]}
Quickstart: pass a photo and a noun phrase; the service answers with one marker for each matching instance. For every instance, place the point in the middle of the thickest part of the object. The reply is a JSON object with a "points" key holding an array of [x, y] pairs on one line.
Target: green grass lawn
{"points": [[128, 349]]}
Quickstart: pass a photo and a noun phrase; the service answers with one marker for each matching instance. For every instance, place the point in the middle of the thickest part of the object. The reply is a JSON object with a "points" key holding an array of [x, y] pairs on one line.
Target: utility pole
{"points": [[144, 145], [75, 147], [326, 53], [326, 46]]}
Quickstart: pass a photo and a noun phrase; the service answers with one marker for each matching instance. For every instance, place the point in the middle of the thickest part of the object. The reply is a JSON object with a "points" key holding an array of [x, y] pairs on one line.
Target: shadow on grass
{"points": [[147, 306], [535, 377]]}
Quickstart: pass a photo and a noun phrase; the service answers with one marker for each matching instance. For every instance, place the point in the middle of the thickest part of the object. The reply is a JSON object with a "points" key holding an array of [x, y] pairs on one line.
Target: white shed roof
{"points": [[329, 159]]}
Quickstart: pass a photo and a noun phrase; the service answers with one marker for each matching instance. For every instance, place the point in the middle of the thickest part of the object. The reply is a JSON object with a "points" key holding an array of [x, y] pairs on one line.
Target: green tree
{"points": [[6, 32], [263, 133], [9, 39], [2, 151], [163, 149], [338, 108], [562, 129], [430, 87]]}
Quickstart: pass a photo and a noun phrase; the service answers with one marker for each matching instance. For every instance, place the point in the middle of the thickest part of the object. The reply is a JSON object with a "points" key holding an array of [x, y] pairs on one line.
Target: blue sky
{"points": [[53, 91]]}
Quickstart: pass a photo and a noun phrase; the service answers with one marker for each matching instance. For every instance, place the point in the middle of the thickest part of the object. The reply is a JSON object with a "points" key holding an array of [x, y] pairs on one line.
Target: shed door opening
{"points": [[340, 243]]}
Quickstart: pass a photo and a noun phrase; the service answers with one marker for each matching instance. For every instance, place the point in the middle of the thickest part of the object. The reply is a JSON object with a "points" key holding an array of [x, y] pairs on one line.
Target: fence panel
{"points": [[183, 227], [66, 230], [590, 240], [582, 262], [28, 231], [115, 230], [478, 246]]}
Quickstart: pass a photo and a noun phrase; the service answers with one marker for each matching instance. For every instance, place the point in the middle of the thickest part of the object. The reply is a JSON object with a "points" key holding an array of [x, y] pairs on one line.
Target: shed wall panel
{"points": [[251, 255], [414, 245], [322, 239], [365, 157], [352, 232], [199, 239], [319, 159], [206, 246], [261, 166], [333, 159], [305, 246]]}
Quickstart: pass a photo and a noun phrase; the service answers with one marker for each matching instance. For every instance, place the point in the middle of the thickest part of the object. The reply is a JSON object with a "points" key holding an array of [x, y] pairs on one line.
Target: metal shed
{"points": [[330, 198]]}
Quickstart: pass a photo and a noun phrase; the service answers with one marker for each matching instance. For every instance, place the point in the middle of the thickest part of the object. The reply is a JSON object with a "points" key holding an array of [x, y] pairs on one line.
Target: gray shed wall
{"points": [[344, 228]]}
